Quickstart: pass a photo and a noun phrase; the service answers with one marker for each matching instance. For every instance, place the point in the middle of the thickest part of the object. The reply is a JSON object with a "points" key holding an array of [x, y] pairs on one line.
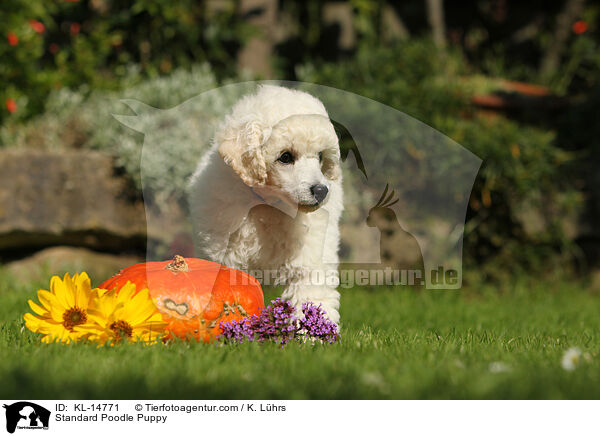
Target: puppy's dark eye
{"points": [[320, 156], [286, 158]]}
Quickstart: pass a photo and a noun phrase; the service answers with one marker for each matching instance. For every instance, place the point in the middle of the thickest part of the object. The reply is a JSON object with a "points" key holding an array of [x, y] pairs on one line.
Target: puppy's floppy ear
{"points": [[331, 155], [331, 165], [241, 148]]}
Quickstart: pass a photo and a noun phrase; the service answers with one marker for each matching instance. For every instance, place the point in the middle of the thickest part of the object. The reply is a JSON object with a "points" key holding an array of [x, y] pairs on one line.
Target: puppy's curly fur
{"points": [[257, 195]]}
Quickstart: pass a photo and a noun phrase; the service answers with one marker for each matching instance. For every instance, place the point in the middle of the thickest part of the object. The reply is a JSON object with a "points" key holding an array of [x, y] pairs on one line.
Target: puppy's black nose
{"points": [[320, 192]]}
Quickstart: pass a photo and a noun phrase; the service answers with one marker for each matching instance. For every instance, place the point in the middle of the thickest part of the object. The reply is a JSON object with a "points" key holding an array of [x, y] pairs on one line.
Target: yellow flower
{"points": [[125, 315], [62, 309]]}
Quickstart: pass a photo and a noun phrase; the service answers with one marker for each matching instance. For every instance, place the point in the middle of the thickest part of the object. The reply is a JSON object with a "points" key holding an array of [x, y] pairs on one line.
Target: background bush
{"points": [[50, 44], [521, 197]]}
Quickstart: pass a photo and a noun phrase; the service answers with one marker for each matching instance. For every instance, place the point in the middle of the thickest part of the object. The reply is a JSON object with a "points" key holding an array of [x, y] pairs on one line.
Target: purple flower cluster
{"points": [[277, 323], [316, 325], [236, 331]]}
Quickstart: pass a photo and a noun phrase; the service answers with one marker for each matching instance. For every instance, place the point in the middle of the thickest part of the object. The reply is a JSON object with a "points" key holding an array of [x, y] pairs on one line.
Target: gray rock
{"points": [[69, 197], [60, 260]]}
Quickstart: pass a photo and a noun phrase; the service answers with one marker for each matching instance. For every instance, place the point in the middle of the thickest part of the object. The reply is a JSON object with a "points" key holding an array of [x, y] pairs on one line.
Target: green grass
{"points": [[395, 344]]}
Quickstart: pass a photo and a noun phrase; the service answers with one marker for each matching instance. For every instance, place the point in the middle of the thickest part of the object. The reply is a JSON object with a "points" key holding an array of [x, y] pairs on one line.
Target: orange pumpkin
{"points": [[194, 295]]}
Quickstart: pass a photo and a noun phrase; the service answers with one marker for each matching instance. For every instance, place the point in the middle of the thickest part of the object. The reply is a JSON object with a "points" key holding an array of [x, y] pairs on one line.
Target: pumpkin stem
{"points": [[178, 264]]}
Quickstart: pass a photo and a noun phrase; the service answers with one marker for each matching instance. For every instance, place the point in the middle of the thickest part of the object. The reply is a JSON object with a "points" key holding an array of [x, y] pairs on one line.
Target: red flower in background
{"points": [[11, 105], [53, 48], [37, 26], [13, 39], [75, 28], [580, 27]]}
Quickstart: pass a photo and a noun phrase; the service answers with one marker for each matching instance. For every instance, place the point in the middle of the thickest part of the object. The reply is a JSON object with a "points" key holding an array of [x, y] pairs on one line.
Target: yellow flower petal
{"points": [[126, 293], [31, 322], [48, 299], [57, 313], [52, 304], [58, 289], [38, 309], [88, 329], [83, 290], [70, 291], [81, 278], [148, 337], [102, 304], [100, 292], [154, 330], [37, 325], [139, 309]]}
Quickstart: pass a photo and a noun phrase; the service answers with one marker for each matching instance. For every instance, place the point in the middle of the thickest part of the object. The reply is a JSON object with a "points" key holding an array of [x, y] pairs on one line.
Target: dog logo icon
{"points": [[26, 415]]}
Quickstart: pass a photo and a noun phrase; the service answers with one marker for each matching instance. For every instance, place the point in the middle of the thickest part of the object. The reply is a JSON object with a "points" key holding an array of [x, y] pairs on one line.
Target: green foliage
{"points": [[414, 77], [579, 128], [520, 198], [21, 51], [98, 43]]}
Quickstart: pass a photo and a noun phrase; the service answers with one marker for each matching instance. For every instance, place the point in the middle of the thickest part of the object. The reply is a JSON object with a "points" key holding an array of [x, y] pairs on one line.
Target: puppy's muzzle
{"points": [[319, 191]]}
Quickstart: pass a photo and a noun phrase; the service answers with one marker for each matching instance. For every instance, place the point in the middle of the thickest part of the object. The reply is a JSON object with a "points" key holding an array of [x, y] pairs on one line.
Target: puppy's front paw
{"points": [[326, 298], [332, 314]]}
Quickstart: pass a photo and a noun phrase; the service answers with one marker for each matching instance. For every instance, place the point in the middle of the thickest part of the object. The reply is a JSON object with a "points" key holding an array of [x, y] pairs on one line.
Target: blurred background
{"points": [[517, 83]]}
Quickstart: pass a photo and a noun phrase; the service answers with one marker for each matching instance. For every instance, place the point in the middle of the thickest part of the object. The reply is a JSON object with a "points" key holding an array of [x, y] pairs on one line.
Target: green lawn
{"points": [[395, 344]]}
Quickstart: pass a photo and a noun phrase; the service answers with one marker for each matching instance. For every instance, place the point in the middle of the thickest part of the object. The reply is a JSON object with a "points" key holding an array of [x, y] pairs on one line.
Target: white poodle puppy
{"points": [[267, 197]]}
